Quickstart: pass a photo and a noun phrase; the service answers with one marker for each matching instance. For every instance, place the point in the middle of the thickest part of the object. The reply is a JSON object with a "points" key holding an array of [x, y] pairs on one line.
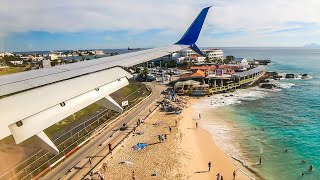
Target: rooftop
{"points": [[249, 72]]}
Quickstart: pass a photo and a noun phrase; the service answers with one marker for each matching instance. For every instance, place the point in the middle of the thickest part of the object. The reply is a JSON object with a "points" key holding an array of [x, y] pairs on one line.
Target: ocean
{"points": [[267, 122]]}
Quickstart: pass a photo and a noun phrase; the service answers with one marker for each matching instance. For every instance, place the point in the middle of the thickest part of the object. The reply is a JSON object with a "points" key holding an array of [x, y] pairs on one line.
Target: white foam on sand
{"points": [[222, 131]]}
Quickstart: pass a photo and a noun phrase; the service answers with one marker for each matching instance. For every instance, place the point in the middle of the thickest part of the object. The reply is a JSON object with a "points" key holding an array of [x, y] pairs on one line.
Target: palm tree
{"points": [[145, 72]]}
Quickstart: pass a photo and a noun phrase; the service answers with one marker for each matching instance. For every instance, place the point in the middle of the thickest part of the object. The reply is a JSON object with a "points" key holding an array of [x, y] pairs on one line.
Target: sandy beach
{"points": [[183, 155]]}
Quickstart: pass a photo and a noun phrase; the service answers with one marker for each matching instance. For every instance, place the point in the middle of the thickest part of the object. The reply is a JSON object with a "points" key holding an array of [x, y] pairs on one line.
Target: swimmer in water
{"points": [[311, 168], [303, 161], [286, 150]]}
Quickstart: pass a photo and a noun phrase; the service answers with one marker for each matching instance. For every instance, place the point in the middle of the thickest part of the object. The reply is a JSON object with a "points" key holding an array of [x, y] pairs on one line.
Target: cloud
{"points": [[229, 21]]}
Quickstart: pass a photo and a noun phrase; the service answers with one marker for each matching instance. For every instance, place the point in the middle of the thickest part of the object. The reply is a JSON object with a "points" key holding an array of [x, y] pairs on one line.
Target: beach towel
{"points": [[140, 146], [126, 162]]}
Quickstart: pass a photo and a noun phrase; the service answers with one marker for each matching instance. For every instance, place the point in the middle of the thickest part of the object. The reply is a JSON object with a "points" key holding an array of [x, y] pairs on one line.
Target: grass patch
{"points": [[93, 108], [12, 70]]}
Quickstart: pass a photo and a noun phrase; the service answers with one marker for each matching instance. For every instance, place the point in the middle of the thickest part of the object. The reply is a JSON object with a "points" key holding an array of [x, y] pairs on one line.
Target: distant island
{"points": [[312, 45]]}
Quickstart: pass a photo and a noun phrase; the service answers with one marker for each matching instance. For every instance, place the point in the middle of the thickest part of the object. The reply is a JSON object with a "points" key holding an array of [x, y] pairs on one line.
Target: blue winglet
{"points": [[191, 35], [195, 48]]}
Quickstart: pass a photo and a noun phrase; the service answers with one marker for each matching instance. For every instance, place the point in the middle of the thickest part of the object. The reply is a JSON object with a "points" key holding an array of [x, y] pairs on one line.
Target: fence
{"points": [[67, 141]]}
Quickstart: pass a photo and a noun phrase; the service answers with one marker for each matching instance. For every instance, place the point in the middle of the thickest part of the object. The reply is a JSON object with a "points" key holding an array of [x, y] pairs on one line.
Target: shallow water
{"points": [[272, 121]]}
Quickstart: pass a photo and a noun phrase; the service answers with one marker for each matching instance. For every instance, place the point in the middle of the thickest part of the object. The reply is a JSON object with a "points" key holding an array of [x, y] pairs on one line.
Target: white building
{"points": [[214, 54], [243, 62], [187, 52], [2, 54], [201, 59], [98, 52]]}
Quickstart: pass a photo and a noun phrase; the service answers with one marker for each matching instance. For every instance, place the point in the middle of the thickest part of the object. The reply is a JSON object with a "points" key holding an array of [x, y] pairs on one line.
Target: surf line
{"points": [[248, 168]]}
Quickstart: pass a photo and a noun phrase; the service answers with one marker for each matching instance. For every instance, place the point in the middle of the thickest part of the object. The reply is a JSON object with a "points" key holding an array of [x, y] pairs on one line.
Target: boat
{"points": [[133, 49]]}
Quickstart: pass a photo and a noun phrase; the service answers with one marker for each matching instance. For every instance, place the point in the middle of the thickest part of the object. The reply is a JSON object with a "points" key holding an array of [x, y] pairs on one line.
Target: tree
{"points": [[73, 60], [145, 72], [229, 59], [54, 62], [207, 60], [6, 60]]}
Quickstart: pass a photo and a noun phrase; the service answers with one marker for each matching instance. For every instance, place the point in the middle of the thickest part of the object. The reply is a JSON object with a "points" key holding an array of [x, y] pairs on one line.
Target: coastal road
{"points": [[77, 165]]}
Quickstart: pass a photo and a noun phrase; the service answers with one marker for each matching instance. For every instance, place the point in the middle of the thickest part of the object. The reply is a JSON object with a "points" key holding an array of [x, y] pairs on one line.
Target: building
{"points": [[2, 54], [45, 63], [53, 56], [243, 62], [98, 52], [214, 54], [187, 52]]}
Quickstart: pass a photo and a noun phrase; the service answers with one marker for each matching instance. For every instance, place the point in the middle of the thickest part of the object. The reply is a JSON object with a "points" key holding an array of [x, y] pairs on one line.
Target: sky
{"points": [[107, 24]]}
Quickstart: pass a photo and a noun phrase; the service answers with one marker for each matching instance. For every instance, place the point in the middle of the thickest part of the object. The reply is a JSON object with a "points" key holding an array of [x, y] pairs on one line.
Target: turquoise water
{"points": [[287, 119]]}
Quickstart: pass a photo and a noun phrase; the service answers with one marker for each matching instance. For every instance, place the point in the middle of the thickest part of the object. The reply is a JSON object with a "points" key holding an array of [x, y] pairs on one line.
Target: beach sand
{"points": [[184, 155]]}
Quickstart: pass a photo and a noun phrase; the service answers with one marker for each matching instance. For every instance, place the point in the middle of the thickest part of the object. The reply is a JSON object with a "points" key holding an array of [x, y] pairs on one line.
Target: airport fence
{"points": [[40, 160]]}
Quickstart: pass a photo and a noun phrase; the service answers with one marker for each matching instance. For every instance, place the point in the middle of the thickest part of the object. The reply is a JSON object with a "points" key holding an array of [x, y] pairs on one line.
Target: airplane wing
{"points": [[35, 100]]}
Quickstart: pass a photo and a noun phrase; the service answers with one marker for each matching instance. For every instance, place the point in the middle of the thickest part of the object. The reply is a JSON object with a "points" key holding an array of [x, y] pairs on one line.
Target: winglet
{"points": [[191, 35]]}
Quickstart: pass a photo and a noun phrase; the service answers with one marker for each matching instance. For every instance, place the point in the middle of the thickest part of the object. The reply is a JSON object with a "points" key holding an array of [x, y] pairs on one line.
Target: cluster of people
{"points": [[162, 137], [96, 175], [311, 167], [219, 177], [167, 106], [140, 121]]}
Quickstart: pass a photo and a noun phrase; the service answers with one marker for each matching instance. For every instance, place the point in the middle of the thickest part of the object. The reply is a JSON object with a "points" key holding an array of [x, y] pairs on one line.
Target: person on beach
{"points": [[159, 137], [104, 166], [234, 174], [221, 178], [90, 161], [134, 129], [100, 175], [176, 122], [199, 116], [110, 148], [260, 161], [133, 176], [218, 176], [209, 165], [196, 124], [170, 129]]}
